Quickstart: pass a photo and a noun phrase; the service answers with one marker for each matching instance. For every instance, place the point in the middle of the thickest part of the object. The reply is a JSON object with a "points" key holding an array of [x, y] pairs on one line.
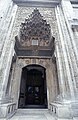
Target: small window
{"points": [[34, 42]]}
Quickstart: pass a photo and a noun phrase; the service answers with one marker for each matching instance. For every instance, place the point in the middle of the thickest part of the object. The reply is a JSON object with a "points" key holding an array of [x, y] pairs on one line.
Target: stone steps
{"points": [[32, 114], [35, 114], [32, 110]]}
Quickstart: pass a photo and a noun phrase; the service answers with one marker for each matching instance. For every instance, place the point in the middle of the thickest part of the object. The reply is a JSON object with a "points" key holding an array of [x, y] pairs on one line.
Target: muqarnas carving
{"points": [[35, 28]]}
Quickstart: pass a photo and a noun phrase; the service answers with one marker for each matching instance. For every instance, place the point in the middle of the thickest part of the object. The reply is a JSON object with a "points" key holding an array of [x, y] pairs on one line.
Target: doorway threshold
{"points": [[35, 107]]}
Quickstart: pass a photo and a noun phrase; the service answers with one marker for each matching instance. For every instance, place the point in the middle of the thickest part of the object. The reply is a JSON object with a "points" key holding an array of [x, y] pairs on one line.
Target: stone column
{"points": [[15, 89], [72, 48], [6, 56], [75, 33], [5, 17], [63, 58], [60, 72]]}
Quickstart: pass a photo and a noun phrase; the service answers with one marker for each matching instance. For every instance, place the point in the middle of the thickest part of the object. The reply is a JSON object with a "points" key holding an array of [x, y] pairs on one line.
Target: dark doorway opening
{"points": [[33, 92]]}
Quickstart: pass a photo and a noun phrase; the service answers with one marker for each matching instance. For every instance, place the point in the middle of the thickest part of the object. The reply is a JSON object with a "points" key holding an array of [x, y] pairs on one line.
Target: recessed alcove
{"points": [[33, 90]]}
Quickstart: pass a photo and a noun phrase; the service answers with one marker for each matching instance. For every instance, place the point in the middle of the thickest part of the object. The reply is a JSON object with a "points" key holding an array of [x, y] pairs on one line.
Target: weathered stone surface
{"points": [[65, 48]]}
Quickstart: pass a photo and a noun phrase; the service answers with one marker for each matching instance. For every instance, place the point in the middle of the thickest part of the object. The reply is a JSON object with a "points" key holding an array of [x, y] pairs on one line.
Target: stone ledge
{"points": [[61, 110], [74, 106], [7, 110], [36, 3]]}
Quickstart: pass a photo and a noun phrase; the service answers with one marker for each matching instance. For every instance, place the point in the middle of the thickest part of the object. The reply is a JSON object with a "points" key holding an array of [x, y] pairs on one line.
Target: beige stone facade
{"points": [[61, 65]]}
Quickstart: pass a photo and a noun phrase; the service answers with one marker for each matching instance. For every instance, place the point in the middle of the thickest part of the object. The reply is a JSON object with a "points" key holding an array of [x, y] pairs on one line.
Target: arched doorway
{"points": [[33, 92]]}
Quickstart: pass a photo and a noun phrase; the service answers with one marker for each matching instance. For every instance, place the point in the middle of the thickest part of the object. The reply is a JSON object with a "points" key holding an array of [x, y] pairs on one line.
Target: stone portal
{"points": [[35, 45]]}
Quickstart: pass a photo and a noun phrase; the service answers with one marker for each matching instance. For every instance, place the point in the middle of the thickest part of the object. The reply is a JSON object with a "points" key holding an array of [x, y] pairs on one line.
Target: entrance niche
{"points": [[33, 92]]}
